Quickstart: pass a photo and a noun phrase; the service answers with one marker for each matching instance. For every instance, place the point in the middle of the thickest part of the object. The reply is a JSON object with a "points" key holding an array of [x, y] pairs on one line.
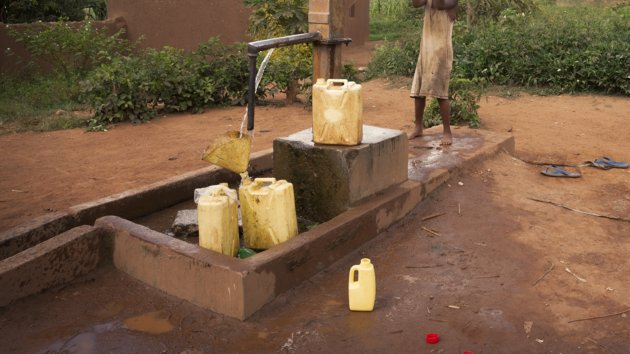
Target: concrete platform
{"points": [[431, 164], [329, 179], [238, 288]]}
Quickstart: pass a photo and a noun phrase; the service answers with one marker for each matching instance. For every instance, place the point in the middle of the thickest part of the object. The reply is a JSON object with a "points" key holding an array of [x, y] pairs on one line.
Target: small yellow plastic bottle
{"points": [[362, 291]]}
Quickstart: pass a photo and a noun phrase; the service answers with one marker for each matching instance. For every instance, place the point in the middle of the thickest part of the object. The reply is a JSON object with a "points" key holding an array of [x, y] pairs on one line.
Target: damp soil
{"points": [[507, 273]]}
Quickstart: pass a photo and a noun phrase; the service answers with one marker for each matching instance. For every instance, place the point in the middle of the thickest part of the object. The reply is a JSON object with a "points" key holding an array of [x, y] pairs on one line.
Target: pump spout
{"points": [[253, 48]]}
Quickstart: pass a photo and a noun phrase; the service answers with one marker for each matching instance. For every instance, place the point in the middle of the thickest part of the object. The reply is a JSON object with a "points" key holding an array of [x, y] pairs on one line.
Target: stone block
{"points": [[329, 179]]}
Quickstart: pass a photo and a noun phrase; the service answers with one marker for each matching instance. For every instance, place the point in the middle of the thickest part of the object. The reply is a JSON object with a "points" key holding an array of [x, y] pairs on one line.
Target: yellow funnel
{"points": [[230, 151]]}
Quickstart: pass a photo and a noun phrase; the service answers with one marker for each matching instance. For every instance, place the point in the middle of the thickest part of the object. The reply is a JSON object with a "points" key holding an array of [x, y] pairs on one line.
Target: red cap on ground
{"points": [[433, 338], [468, 353]]}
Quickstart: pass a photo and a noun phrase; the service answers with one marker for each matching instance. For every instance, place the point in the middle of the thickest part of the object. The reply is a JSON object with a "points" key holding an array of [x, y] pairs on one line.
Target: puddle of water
{"points": [[153, 323], [82, 343], [109, 310]]}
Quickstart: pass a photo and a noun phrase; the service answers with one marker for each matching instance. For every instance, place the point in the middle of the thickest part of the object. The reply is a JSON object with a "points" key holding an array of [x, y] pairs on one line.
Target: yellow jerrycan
{"points": [[217, 217], [268, 212], [362, 291], [337, 112], [230, 150]]}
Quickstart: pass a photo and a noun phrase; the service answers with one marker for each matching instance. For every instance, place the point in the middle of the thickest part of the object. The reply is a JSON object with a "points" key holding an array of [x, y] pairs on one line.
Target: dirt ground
{"points": [[507, 274]]}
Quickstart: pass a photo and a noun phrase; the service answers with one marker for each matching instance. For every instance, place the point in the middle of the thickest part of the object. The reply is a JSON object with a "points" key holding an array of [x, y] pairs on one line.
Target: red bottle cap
{"points": [[433, 338], [468, 353]]}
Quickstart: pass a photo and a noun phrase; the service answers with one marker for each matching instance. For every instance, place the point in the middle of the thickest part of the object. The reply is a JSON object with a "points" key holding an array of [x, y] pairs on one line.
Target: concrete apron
{"points": [[230, 286]]}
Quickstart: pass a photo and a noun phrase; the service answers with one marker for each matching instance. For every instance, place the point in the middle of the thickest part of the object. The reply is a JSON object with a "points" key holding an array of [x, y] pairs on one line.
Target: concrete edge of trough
{"points": [[22, 237], [129, 204], [239, 288], [497, 143], [205, 278], [51, 263]]}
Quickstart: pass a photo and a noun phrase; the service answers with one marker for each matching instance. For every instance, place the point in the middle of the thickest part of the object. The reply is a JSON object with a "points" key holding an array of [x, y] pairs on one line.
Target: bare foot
{"points": [[447, 139], [417, 131]]}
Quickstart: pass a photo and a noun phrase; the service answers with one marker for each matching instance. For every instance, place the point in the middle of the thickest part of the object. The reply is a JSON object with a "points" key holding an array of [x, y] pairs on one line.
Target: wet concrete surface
{"points": [[426, 155]]}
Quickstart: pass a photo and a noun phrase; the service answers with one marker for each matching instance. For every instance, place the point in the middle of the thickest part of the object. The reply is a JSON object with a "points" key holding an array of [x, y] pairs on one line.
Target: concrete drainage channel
{"points": [[56, 249]]}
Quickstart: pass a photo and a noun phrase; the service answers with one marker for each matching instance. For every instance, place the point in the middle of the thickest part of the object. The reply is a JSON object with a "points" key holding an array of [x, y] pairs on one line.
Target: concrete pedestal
{"points": [[328, 179]]}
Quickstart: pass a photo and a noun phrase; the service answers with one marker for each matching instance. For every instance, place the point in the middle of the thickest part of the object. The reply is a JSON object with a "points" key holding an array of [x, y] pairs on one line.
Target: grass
{"points": [[391, 19], [553, 50], [391, 29], [41, 103]]}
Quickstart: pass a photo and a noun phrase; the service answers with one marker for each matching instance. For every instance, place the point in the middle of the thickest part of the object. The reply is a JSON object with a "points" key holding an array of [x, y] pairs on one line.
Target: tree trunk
{"points": [[292, 91]]}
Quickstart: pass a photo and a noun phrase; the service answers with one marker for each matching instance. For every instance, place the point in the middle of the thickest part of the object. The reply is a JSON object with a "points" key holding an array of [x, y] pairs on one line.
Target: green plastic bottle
{"points": [[245, 252]]}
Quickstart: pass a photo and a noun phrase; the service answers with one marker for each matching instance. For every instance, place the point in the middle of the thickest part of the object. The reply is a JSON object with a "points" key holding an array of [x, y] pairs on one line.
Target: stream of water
{"points": [[259, 76]]}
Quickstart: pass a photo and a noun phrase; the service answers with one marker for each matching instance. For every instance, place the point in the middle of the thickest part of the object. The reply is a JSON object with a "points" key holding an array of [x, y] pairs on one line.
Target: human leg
{"points": [[445, 112], [419, 104]]}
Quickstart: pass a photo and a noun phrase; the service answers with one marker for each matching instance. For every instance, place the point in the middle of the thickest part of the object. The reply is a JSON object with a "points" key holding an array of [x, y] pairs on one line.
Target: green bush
{"points": [[351, 73], [289, 69], [463, 96], [19, 11], [396, 58], [227, 68], [71, 50], [134, 88], [474, 12], [177, 80], [120, 91], [556, 49], [561, 49], [277, 17]]}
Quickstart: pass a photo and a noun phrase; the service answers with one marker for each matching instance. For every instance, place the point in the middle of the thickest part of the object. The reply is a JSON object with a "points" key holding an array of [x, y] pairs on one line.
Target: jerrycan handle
{"points": [[336, 83], [353, 269], [264, 180]]}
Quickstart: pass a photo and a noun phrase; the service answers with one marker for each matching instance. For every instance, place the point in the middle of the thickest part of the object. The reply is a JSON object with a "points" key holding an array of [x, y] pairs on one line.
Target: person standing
{"points": [[435, 62]]}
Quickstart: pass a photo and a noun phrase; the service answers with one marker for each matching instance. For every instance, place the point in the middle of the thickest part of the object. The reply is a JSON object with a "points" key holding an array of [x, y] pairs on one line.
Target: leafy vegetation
{"points": [[391, 19], [45, 100], [136, 87], [289, 69], [396, 58], [463, 95], [277, 17], [39, 104], [483, 11], [70, 49], [21, 11], [555, 49]]}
